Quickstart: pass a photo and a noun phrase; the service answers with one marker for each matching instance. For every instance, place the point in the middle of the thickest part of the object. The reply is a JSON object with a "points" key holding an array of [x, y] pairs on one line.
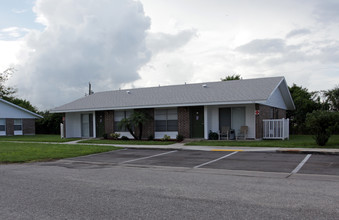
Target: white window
{"points": [[18, 127], [2, 127], [118, 116], [166, 119]]}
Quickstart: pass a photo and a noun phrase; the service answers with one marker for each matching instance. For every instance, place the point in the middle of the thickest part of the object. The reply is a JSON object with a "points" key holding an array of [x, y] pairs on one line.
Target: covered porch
{"points": [[230, 121]]}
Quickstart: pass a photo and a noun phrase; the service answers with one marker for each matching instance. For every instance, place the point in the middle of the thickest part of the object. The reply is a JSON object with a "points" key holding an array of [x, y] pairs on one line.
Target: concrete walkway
{"points": [[182, 146]]}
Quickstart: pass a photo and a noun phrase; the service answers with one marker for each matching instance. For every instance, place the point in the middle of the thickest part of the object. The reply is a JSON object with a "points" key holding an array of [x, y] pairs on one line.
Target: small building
{"points": [[191, 110], [15, 120]]}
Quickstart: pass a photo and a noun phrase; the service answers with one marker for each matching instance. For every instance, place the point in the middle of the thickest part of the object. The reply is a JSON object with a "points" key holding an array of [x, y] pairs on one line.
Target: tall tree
{"points": [[232, 77], [332, 98], [6, 91], [49, 124], [305, 102]]}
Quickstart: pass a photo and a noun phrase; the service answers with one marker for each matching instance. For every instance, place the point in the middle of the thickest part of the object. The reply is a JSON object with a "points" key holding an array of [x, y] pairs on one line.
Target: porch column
{"points": [[206, 122], [94, 126]]}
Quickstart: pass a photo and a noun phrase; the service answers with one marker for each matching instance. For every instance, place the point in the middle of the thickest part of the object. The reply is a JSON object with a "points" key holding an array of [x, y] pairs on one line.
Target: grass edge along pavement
{"points": [[33, 152], [295, 141], [126, 142], [38, 138]]}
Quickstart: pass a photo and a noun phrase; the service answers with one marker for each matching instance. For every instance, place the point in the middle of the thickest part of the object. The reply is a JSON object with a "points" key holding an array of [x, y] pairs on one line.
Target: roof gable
{"points": [[10, 110], [209, 93]]}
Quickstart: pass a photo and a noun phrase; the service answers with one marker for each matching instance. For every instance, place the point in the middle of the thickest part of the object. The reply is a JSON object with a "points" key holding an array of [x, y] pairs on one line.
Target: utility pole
{"points": [[90, 91]]}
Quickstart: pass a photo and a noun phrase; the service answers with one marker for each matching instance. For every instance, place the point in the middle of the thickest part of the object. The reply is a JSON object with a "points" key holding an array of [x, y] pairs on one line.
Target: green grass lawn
{"points": [[295, 141], [127, 142], [29, 152], [37, 138]]}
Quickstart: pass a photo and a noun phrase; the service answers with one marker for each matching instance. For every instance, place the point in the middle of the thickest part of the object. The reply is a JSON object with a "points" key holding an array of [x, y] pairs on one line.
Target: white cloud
{"points": [[263, 46], [101, 43], [158, 42], [326, 11], [298, 32], [113, 44], [12, 33]]}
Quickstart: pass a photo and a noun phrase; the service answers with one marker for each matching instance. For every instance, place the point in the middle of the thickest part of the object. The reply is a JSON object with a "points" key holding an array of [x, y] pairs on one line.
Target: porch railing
{"points": [[276, 129]]}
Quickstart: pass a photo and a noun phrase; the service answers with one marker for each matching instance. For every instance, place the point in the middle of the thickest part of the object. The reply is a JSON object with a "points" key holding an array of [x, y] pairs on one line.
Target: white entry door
{"points": [[87, 125]]}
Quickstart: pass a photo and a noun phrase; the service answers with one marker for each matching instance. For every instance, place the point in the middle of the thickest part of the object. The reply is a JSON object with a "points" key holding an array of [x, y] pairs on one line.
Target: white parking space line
{"points": [[90, 155], [141, 158], [212, 161], [301, 164]]}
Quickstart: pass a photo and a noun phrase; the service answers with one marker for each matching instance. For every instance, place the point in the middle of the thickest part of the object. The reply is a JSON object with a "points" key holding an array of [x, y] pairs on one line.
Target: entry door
{"points": [[197, 122], [87, 125], [100, 123]]}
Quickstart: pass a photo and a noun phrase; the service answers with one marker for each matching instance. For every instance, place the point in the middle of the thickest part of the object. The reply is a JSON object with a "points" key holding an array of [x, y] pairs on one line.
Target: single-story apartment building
{"points": [[15, 120], [191, 110]]}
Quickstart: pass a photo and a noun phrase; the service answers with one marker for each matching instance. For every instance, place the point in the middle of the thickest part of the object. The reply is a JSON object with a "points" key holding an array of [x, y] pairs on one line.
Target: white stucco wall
{"points": [[159, 135], [276, 100], [250, 120], [73, 124], [8, 111], [213, 118]]}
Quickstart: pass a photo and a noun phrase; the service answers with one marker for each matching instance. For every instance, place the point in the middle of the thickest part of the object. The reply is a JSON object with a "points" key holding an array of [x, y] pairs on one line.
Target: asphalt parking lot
{"points": [[227, 160]]}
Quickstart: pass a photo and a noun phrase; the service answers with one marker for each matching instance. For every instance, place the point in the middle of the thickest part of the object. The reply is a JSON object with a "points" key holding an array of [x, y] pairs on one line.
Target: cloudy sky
{"points": [[58, 46]]}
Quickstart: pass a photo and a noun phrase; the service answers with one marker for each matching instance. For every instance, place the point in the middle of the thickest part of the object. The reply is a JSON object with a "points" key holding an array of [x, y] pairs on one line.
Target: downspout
{"points": [[206, 122], [94, 126]]}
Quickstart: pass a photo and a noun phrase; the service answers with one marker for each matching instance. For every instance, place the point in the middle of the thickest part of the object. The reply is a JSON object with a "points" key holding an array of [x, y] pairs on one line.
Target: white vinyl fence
{"points": [[276, 128]]}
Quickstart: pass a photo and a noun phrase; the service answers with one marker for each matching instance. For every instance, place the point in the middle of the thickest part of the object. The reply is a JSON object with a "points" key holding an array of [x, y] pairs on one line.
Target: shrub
{"points": [[150, 138], [105, 136], [165, 138], [124, 138], [322, 125], [213, 136], [180, 137], [114, 136]]}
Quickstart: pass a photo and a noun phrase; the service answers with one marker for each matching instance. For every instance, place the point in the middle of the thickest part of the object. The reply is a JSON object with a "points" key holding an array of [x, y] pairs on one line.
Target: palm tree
{"points": [[332, 97], [135, 120], [126, 123], [138, 118], [233, 77]]}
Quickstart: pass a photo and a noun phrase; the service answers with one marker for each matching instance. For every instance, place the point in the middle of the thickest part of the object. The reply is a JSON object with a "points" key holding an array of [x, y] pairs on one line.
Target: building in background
{"points": [[15, 120], [191, 110]]}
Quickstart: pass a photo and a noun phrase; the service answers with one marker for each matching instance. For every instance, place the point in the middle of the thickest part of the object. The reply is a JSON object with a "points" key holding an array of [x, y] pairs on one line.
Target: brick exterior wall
{"points": [[266, 113], [9, 126], [28, 126], [109, 122], [184, 122], [281, 113]]}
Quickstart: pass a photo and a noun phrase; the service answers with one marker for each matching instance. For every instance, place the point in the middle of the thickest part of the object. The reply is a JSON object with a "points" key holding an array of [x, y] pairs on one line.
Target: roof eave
{"points": [[159, 106]]}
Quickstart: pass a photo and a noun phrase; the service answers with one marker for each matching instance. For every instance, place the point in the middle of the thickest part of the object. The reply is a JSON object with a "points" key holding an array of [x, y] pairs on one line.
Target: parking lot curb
{"points": [[307, 151]]}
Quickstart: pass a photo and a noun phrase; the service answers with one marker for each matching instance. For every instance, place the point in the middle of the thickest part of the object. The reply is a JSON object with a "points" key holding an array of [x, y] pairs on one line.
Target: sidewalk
{"points": [[181, 146]]}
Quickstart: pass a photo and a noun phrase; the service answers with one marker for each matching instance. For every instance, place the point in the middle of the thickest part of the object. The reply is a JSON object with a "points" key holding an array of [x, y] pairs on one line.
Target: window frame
{"points": [[126, 114], [169, 123], [3, 132], [18, 131]]}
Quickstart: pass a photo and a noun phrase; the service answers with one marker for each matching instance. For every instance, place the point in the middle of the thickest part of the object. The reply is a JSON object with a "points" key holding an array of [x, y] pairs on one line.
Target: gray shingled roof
{"points": [[222, 92]]}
